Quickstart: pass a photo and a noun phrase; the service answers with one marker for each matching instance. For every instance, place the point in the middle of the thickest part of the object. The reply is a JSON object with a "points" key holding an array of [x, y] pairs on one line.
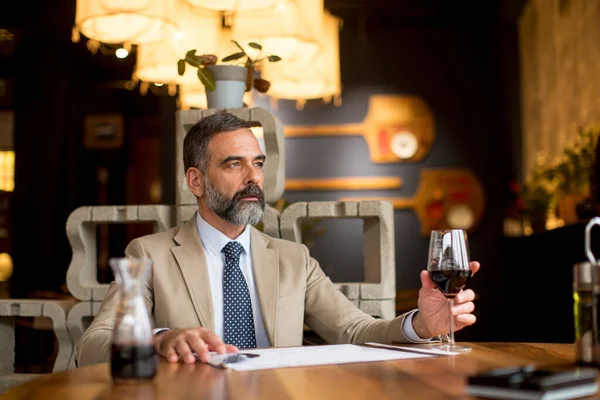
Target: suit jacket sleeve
{"points": [[95, 344], [333, 317]]}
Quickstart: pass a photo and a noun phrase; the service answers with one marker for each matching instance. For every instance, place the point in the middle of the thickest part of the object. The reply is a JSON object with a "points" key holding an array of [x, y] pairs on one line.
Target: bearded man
{"points": [[218, 284]]}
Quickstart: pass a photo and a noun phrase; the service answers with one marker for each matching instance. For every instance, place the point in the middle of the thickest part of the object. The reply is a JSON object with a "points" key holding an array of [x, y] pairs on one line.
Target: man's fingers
{"points": [[181, 345], [426, 281], [196, 344], [231, 348], [184, 351], [205, 357], [474, 265], [466, 319], [171, 355], [213, 341], [465, 308], [464, 296]]}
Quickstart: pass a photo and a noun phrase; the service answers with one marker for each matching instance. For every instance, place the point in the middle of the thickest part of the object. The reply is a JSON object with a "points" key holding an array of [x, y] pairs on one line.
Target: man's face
{"points": [[234, 178]]}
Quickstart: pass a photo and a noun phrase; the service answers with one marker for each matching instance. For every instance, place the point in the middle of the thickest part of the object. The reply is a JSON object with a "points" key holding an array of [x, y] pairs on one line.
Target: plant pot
{"points": [[230, 82]]}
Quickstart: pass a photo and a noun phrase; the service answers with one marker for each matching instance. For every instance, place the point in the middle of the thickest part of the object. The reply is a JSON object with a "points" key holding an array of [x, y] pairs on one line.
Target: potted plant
{"points": [[565, 183], [225, 84], [571, 174]]}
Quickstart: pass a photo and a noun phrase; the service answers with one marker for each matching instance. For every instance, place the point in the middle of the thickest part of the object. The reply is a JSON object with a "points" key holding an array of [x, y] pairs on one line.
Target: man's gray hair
{"points": [[195, 144]]}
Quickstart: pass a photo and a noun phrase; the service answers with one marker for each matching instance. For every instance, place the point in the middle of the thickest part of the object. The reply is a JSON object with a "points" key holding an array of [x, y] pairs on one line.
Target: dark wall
{"points": [[58, 83], [464, 66]]}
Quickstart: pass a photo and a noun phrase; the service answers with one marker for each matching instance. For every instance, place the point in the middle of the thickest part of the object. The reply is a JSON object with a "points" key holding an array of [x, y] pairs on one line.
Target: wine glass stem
{"points": [[451, 319]]}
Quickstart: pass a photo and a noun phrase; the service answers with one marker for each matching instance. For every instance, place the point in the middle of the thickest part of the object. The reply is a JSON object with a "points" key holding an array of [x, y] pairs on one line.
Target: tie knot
{"points": [[232, 250]]}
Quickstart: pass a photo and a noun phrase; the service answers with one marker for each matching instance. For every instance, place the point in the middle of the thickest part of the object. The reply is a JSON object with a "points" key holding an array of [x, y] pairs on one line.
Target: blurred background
{"points": [[508, 89]]}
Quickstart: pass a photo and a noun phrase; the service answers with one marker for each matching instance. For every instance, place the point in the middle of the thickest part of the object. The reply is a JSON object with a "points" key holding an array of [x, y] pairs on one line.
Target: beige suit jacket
{"points": [[292, 290]]}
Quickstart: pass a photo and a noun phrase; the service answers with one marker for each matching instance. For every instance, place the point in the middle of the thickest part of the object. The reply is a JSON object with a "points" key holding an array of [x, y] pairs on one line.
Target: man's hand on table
{"points": [[432, 318], [180, 344]]}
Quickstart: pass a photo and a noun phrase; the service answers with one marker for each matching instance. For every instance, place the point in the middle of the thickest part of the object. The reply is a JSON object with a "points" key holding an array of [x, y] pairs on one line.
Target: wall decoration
{"points": [[103, 131], [445, 199], [396, 128], [404, 145], [349, 183]]}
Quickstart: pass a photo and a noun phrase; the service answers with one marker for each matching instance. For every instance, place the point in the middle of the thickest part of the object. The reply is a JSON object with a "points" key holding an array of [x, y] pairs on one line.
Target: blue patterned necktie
{"points": [[238, 320]]}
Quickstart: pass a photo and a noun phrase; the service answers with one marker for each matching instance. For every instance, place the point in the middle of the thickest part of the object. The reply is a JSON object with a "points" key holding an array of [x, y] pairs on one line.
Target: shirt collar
{"points": [[214, 240]]}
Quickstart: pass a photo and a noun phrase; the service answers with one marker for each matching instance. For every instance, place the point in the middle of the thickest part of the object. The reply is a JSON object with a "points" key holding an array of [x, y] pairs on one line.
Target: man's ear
{"points": [[195, 181]]}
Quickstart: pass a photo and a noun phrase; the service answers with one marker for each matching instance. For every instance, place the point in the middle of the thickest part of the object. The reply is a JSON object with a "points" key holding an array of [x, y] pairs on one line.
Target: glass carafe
{"points": [[132, 356]]}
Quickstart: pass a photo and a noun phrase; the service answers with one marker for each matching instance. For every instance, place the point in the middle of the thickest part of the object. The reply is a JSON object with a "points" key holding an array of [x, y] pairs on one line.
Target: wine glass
{"points": [[448, 268]]}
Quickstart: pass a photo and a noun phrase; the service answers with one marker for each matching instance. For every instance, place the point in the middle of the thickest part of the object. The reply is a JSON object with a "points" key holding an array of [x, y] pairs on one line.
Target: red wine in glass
{"points": [[451, 281], [448, 268]]}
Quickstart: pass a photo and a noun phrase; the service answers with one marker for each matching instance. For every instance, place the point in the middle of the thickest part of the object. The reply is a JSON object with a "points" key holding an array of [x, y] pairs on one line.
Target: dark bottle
{"points": [[132, 356]]}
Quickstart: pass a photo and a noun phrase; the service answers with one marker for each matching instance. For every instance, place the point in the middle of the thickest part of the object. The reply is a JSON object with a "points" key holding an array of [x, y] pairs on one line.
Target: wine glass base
{"points": [[453, 348]]}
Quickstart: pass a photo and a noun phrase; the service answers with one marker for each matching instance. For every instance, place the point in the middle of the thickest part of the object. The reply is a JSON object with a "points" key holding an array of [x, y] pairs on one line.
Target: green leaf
{"points": [[274, 58], [191, 52], [207, 79], [234, 56], [195, 61], [181, 67], [255, 45], [238, 45]]}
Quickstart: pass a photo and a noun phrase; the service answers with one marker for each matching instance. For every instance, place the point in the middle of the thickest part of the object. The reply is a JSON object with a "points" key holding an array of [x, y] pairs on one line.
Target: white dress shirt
{"points": [[213, 241]]}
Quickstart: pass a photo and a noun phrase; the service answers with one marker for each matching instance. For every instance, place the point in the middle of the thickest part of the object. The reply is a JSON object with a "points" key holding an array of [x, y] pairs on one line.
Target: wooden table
{"points": [[430, 378]]}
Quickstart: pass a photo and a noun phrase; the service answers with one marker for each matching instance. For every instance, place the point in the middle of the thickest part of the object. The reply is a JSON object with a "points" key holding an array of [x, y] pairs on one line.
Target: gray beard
{"points": [[233, 210]]}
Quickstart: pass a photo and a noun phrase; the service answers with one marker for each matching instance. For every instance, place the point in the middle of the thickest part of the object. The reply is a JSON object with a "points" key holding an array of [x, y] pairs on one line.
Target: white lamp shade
{"points": [[192, 96], [291, 30], [312, 77], [235, 5], [157, 62], [131, 21]]}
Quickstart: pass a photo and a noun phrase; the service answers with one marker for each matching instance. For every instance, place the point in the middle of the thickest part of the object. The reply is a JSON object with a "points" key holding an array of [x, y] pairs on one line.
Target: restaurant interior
{"points": [[474, 115]]}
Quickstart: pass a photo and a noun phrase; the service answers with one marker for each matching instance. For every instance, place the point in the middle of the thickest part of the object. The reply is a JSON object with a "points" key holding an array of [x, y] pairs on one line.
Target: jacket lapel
{"points": [[266, 275], [192, 262]]}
